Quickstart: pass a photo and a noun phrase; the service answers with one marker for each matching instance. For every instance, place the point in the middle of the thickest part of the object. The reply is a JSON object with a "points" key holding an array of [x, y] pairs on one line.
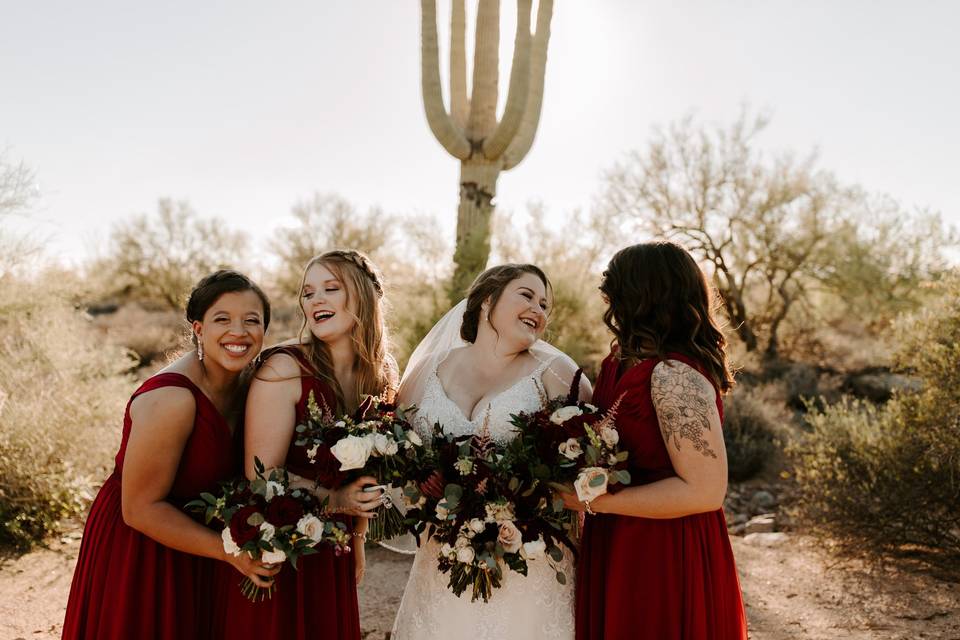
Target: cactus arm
{"points": [[522, 142], [459, 106], [483, 99], [518, 93], [441, 124]]}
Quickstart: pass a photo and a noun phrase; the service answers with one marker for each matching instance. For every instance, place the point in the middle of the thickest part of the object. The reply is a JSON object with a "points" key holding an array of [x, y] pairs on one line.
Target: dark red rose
{"points": [[283, 510], [241, 531]]}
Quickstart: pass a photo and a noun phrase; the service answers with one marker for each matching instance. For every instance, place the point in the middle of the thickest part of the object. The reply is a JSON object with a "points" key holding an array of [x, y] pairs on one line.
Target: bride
{"points": [[482, 362]]}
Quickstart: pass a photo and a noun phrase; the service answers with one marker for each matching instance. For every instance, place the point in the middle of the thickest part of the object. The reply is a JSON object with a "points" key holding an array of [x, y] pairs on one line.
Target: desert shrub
{"points": [[149, 335], [61, 400], [750, 429], [888, 478]]}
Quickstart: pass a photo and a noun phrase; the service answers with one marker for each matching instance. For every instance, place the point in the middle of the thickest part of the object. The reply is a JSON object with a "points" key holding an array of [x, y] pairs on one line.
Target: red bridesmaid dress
{"points": [[318, 599], [654, 579], [127, 585]]}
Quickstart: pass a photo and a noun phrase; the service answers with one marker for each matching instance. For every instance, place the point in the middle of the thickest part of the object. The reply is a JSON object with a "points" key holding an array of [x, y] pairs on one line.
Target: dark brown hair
{"points": [[489, 285], [659, 301], [210, 288], [374, 366]]}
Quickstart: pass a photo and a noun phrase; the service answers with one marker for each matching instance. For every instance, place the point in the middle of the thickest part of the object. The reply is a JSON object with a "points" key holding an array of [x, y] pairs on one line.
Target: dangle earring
{"points": [[199, 349]]}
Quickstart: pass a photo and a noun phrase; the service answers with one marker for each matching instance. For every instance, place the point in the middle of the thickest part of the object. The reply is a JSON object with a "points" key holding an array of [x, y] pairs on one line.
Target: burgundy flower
{"points": [[283, 510], [240, 530]]}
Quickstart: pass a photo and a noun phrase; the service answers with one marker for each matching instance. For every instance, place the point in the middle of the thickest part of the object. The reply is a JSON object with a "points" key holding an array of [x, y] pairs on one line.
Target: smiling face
{"points": [[232, 330], [520, 315], [328, 309]]}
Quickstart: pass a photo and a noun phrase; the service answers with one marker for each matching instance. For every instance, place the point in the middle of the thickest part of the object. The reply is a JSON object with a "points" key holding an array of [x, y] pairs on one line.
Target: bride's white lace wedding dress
{"points": [[524, 607]]}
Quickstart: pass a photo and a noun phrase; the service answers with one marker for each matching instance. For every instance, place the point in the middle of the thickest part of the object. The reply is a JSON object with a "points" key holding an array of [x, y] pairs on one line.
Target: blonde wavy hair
{"points": [[375, 368]]}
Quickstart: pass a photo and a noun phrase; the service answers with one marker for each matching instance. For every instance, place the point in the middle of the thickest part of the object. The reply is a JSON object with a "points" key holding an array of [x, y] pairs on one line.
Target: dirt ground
{"points": [[794, 589]]}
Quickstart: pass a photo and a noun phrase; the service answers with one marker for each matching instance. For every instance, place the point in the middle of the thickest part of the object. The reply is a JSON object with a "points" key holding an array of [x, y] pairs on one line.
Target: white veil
{"points": [[443, 338]]}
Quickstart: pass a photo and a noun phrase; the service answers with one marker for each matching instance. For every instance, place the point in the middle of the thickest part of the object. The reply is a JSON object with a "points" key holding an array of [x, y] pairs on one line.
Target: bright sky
{"points": [[243, 108]]}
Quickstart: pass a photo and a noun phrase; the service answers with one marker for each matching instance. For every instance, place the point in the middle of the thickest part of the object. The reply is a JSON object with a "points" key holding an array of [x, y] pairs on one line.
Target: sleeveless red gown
{"points": [[318, 599], [642, 578], [127, 585]]}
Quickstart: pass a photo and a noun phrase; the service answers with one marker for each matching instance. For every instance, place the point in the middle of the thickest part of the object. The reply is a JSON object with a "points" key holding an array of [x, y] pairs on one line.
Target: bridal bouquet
{"points": [[568, 443], [377, 440], [483, 514], [267, 519]]}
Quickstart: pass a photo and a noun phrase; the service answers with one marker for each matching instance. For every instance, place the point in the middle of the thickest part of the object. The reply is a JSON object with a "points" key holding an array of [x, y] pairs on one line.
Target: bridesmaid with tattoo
{"points": [[656, 561]]}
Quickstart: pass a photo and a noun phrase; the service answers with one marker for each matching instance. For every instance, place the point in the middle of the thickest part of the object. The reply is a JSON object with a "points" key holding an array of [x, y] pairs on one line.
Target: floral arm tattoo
{"points": [[684, 401]]}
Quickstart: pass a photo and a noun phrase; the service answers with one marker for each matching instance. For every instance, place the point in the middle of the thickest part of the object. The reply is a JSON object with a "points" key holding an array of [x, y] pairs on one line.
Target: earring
{"points": [[199, 349]]}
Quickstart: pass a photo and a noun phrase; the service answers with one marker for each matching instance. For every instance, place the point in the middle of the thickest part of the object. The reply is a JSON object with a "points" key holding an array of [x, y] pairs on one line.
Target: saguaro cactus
{"points": [[470, 131]]}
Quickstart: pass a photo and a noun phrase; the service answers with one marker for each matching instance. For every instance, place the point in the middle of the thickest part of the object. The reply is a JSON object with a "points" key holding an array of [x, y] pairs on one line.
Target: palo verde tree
{"points": [[470, 130]]}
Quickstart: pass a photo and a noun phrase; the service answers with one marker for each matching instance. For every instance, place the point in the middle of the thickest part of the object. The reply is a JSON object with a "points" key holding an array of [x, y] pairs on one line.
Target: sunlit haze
{"points": [[245, 108]]}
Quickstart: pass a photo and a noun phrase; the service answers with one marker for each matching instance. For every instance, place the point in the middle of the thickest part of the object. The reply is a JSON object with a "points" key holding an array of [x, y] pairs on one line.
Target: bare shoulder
{"points": [[559, 375], [173, 406], [279, 367], [685, 403]]}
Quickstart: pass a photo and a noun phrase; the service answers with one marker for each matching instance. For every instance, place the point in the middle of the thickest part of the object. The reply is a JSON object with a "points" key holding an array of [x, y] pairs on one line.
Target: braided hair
{"points": [[375, 368]]}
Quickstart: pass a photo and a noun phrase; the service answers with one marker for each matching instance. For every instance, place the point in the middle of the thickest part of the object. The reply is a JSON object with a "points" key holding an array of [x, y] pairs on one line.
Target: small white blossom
{"points": [[466, 555], [534, 550], [228, 544], [609, 436], [272, 557], [312, 452], [584, 484], [267, 531], [563, 414], [463, 466], [273, 489], [571, 449], [311, 526], [499, 511], [414, 438]]}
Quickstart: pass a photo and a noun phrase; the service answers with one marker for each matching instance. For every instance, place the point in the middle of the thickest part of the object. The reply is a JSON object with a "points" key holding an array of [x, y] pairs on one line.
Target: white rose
{"points": [[465, 555], [228, 544], [311, 526], [477, 525], [267, 531], [499, 511], [448, 552], [273, 489], [571, 449], [352, 452], [510, 537], [414, 438], [609, 436], [379, 442], [563, 414], [590, 483], [534, 550], [272, 557], [392, 448], [461, 542]]}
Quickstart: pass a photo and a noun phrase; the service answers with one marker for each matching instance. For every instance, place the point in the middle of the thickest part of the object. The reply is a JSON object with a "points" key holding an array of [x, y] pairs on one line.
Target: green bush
{"points": [[750, 426], [888, 478], [61, 400]]}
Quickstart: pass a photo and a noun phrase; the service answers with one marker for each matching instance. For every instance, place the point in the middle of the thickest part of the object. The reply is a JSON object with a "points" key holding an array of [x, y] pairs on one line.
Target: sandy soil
{"points": [[793, 590]]}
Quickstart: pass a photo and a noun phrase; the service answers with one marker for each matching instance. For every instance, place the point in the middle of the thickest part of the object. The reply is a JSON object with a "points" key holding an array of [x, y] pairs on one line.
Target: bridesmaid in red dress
{"points": [[656, 561], [341, 355], [145, 568]]}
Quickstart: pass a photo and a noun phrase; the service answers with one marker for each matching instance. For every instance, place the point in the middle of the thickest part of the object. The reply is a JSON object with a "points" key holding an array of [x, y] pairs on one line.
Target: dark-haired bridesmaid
{"points": [[145, 568], [656, 562]]}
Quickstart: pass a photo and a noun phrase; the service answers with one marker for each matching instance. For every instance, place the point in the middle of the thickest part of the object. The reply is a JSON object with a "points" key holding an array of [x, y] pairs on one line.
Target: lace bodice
{"points": [[525, 607], [522, 395]]}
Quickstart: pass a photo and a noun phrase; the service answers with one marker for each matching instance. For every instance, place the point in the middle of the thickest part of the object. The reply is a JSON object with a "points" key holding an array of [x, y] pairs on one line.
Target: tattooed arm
{"points": [[686, 408]]}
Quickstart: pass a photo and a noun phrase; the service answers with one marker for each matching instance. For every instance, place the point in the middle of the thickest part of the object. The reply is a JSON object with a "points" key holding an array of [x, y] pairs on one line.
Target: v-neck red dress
{"points": [[653, 579], [318, 599], [128, 585]]}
